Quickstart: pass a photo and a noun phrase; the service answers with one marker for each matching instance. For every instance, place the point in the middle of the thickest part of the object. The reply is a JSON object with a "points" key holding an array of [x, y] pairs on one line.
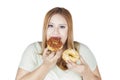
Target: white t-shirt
{"points": [[32, 59]]}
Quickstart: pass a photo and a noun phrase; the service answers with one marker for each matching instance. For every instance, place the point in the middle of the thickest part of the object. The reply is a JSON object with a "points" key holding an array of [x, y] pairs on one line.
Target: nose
{"points": [[56, 31]]}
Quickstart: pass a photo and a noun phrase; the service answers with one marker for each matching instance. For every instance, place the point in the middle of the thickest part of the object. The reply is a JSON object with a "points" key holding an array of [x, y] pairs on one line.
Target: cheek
{"points": [[48, 34], [64, 36]]}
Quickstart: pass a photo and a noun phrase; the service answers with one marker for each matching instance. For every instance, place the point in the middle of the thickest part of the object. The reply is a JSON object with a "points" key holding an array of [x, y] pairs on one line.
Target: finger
{"points": [[57, 55], [51, 55], [82, 60], [72, 64], [69, 65], [45, 52], [48, 52], [68, 62]]}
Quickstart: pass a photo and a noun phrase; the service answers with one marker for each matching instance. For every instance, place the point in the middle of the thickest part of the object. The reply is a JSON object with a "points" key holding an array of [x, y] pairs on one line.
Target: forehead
{"points": [[57, 18]]}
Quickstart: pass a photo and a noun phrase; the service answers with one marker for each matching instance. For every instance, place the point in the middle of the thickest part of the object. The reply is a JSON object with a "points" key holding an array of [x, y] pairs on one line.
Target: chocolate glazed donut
{"points": [[54, 44]]}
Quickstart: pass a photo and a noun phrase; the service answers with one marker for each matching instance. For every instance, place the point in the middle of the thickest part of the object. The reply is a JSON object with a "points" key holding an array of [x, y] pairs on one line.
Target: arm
{"points": [[84, 70], [95, 75], [49, 61], [38, 74]]}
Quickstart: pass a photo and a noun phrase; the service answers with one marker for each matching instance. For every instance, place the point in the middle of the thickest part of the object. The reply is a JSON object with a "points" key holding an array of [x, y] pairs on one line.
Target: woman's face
{"points": [[57, 27]]}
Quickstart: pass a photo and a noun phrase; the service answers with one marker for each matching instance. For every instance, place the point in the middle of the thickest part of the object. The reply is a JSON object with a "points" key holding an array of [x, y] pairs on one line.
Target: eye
{"points": [[50, 26], [62, 26]]}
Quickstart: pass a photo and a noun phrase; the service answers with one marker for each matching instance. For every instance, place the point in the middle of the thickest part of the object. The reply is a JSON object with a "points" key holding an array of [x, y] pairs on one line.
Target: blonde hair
{"points": [[66, 14]]}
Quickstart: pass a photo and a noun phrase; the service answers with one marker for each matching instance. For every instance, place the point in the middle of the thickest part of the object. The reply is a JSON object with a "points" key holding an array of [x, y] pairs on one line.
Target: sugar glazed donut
{"points": [[70, 54], [54, 44]]}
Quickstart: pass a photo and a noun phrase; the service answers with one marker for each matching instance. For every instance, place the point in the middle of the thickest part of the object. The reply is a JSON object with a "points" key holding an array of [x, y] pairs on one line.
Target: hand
{"points": [[81, 68], [50, 58]]}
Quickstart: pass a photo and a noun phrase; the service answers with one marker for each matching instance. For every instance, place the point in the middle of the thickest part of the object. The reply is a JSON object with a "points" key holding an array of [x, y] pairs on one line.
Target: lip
{"points": [[55, 37]]}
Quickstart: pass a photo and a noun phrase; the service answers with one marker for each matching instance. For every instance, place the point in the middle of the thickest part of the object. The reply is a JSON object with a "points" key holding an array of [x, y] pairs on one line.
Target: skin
{"points": [[57, 28], [84, 70]]}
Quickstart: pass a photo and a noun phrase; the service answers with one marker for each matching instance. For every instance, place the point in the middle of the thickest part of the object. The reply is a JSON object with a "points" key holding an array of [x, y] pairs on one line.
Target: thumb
{"points": [[58, 54]]}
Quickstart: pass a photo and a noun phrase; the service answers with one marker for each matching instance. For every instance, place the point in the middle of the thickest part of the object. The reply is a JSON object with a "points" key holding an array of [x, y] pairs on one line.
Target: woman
{"points": [[38, 63]]}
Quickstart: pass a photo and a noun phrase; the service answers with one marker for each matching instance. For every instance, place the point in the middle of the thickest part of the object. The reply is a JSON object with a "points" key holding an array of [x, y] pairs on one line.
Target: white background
{"points": [[96, 24]]}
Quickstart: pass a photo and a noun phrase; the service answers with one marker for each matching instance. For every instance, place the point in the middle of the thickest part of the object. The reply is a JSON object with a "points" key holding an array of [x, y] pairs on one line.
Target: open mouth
{"points": [[56, 37], [54, 43]]}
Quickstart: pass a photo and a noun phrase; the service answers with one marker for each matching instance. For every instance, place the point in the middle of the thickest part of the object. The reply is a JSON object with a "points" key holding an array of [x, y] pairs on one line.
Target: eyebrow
{"points": [[50, 23], [62, 24]]}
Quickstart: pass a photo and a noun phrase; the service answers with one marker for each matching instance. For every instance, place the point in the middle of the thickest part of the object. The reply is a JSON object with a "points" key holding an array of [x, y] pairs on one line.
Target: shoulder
{"points": [[80, 46], [30, 58], [87, 55], [34, 47]]}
